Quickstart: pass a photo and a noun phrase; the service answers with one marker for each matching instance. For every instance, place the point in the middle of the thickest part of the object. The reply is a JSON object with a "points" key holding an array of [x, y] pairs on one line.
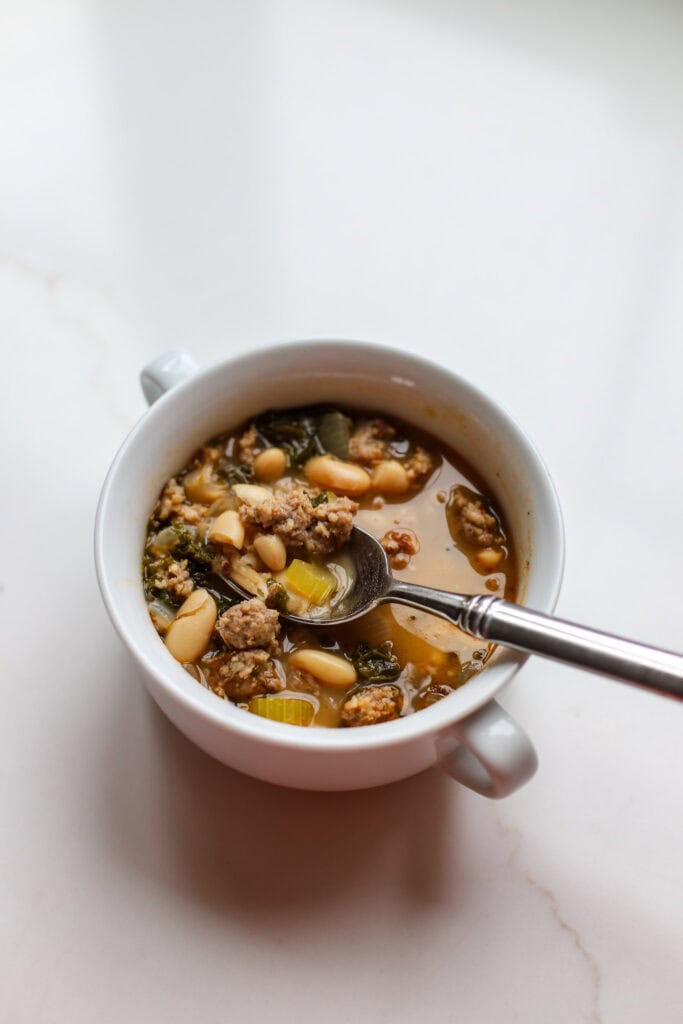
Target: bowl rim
{"points": [[228, 717]]}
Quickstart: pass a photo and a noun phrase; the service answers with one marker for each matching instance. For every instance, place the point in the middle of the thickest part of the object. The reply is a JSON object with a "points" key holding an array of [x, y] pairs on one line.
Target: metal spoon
{"points": [[501, 622]]}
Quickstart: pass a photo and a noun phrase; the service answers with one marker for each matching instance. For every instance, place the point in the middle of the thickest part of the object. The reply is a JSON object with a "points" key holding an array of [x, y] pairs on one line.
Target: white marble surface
{"points": [[497, 185]]}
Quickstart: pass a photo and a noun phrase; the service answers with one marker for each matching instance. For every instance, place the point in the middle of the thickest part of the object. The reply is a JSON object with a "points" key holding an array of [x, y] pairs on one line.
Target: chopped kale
{"points": [[319, 499], [152, 591], [235, 472], [376, 664], [295, 432], [200, 555]]}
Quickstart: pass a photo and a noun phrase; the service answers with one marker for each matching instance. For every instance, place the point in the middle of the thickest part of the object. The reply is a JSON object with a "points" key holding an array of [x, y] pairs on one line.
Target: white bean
{"points": [[488, 558], [270, 464], [200, 485], [390, 477], [252, 494], [228, 529], [271, 549], [341, 477], [328, 668], [189, 634]]}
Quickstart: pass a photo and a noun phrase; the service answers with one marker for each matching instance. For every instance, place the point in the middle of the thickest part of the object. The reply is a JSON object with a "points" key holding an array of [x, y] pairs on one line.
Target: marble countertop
{"points": [[497, 186]]}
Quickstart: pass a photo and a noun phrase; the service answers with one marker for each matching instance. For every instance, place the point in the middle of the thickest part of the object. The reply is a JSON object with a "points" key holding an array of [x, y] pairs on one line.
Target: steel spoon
{"points": [[500, 622]]}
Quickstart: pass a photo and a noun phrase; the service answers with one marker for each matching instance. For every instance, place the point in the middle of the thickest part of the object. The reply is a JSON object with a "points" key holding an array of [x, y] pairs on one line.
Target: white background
{"points": [[497, 185]]}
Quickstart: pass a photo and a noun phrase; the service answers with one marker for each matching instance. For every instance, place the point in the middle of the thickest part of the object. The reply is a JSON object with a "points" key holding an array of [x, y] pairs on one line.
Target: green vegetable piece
{"points": [[199, 555], [290, 710], [376, 664], [319, 499], [334, 433]]}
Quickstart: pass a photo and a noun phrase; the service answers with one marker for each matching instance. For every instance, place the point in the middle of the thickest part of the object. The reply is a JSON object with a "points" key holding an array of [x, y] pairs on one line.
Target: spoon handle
{"points": [[498, 621]]}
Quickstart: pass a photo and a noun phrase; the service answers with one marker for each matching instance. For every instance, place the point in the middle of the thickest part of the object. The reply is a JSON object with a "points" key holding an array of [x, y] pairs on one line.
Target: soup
{"points": [[271, 506]]}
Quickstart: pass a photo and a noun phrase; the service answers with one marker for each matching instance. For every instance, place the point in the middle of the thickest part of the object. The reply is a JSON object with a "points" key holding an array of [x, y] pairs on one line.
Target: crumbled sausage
{"points": [[371, 705], [418, 465], [249, 624], [473, 520], [172, 496], [191, 514], [289, 512], [400, 546], [179, 583], [369, 442], [249, 444], [243, 674], [174, 505], [173, 577]]}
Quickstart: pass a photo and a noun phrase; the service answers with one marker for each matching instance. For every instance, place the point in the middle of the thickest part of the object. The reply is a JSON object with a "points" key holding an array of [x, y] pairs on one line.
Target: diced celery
{"points": [[314, 582], [289, 710]]}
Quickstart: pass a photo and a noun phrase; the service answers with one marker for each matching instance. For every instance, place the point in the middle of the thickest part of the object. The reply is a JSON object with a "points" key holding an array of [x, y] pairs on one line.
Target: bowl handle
{"points": [[488, 752], [164, 372]]}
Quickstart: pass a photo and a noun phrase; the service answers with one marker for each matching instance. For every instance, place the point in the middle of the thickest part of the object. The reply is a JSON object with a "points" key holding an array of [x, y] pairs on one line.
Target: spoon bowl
{"points": [[373, 583]]}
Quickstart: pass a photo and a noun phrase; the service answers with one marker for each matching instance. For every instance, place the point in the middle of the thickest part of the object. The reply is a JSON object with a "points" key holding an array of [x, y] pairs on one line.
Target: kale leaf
{"points": [[199, 555], [376, 664]]}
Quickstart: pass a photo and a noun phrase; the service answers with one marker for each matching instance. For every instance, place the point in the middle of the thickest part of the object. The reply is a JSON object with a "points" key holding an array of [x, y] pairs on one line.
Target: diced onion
{"points": [[345, 573], [162, 614], [164, 541], [248, 578]]}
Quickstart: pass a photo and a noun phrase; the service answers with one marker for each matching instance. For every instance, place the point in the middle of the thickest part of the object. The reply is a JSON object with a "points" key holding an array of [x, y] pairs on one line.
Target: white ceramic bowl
{"points": [[468, 733]]}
